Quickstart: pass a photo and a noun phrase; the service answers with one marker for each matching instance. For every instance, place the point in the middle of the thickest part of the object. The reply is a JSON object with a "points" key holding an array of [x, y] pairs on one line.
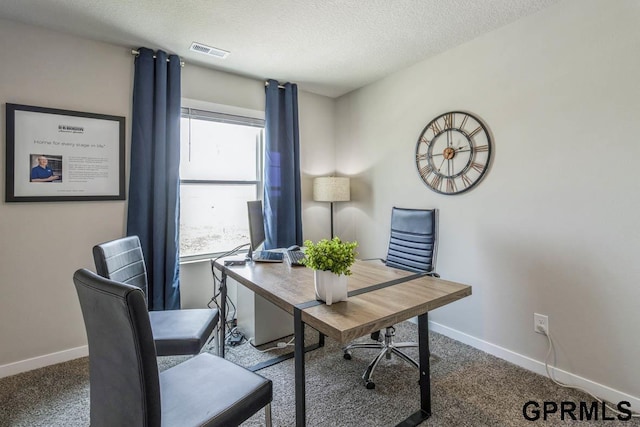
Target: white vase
{"points": [[330, 287]]}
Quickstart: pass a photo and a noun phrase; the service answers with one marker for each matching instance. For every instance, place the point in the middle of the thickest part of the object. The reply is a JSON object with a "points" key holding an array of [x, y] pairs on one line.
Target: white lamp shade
{"points": [[331, 189]]}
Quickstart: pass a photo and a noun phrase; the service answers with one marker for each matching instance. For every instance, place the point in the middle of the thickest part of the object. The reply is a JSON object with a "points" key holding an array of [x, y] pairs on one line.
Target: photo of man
{"points": [[43, 172]]}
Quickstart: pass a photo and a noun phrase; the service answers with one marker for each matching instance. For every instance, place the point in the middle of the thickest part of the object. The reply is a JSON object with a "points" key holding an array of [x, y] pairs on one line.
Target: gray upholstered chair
{"points": [[175, 332], [413, 247], [126, 388]]}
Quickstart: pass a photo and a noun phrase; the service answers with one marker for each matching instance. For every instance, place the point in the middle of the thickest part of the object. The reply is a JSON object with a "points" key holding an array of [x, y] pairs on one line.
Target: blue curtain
{"points": [[154, 182], [282, 207]]}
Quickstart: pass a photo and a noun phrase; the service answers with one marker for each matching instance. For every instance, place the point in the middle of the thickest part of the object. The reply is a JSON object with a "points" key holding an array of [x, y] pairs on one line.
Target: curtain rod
{"points": [[266, 84], [136, 53]]}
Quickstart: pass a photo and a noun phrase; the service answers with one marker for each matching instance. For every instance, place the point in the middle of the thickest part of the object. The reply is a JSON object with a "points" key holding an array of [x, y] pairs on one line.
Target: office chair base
{"points": [[387, 348]]}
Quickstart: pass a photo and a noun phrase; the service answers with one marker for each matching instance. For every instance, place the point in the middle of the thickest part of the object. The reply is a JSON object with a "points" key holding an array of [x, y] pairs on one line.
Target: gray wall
{"points": [[553, 227], [42, 244]]}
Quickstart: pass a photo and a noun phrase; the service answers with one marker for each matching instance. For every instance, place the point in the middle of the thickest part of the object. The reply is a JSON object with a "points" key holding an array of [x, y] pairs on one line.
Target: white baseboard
{"points": [[42, 361], [600, 390], [525, 362]]}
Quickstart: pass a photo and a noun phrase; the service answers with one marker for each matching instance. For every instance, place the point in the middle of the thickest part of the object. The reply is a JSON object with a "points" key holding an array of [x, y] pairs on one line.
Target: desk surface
{"points": [[287, 287]]}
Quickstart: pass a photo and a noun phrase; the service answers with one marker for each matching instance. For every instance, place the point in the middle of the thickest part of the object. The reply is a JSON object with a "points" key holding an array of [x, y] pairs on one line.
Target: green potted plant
{"points": [[331, 261]]}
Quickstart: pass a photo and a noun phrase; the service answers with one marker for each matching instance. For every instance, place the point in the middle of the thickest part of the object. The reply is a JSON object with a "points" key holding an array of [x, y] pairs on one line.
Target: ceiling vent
{"points": [[208, 50]]}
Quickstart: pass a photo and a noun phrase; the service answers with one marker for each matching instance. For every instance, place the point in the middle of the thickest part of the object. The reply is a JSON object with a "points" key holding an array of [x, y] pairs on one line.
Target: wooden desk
{"points": [[379, 296]]}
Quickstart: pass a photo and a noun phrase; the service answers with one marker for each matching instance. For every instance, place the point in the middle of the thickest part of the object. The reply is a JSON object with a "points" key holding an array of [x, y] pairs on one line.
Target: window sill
{"points": [[191, 259]]}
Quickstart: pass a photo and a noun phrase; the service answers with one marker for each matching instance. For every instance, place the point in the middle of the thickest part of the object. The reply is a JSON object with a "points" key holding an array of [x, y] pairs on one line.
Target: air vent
{"points": [[208, 50]]}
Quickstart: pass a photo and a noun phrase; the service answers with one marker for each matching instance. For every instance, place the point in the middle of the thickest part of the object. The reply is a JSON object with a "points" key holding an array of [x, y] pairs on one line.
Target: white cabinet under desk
{"points": [[259, 319]]}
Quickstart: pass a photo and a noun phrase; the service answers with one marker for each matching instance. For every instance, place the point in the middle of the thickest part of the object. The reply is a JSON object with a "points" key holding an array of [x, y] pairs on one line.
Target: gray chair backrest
{"points": [[122, 260], [123, 369], [413, 239]]}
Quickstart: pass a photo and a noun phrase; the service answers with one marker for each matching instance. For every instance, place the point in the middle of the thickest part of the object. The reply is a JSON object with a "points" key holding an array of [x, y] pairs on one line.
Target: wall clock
{"points": [[453, 152]]}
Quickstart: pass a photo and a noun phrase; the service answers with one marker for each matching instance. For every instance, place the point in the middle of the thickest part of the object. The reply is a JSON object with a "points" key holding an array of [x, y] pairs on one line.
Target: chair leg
{"points": [[405, 344], [267, 415], [405, 357], [372, 366], [363, 345], [212, 338], [347, 350]]}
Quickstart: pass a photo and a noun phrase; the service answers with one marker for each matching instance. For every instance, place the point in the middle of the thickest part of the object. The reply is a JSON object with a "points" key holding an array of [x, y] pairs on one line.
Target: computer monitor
{"points": [[256, 225]]}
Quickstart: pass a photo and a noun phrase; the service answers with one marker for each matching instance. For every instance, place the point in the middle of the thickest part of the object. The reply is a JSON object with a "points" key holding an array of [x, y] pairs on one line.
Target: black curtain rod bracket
{"points": [[279, 86], [136, 53]]}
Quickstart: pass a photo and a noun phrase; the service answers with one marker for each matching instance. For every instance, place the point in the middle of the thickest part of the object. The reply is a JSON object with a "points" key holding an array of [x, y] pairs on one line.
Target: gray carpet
{"points": [[469, 388]]}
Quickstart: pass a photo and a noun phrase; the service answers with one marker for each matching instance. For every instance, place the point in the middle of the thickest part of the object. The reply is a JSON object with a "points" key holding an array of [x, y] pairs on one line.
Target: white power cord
{"points": [[561, 384], [278, 346]]}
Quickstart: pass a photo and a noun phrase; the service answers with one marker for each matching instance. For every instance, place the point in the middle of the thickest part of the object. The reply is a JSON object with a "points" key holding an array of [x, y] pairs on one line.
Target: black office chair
{"points": [[175, 332], [413, 247], [126, 388]]}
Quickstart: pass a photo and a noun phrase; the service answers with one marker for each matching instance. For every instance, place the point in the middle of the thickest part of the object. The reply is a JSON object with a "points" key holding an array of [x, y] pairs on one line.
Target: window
{"points": [[220, 170]]}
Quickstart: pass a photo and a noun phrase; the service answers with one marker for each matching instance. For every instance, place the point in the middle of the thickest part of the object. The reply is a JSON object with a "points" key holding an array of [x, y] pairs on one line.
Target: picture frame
{"points": [[55, 155]]}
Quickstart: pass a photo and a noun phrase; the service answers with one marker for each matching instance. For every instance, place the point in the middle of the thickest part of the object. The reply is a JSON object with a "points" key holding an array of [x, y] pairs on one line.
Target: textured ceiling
{"points": [[329, 47]]}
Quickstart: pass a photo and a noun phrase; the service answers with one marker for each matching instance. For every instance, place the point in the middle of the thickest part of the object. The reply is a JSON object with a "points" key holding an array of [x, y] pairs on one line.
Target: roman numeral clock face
{"points": [[453, 153]]}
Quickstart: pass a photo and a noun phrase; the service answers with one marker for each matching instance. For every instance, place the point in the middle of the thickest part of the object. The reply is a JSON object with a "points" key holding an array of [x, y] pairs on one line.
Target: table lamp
{"points": [[331, 189]]}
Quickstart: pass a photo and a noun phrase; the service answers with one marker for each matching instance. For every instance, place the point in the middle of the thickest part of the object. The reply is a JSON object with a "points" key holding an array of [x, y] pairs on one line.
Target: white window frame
{"points": [[233, 114]]}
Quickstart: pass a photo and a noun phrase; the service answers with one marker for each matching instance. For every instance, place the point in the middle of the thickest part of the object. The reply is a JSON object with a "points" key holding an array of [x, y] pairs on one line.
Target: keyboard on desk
{"points": [[294, 257]]}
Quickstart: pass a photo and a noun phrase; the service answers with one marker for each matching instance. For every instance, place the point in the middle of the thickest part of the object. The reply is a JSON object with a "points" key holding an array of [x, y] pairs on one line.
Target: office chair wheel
{"points": [[370, 385], [347, 355]]}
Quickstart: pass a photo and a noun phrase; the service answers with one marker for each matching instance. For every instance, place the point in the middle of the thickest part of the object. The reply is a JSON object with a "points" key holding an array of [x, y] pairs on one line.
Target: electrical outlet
{"points": [[540, 323]]}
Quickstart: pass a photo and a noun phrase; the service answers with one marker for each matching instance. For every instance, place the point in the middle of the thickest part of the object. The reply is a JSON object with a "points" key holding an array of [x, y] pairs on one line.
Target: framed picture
{"points": [[59, 155]]}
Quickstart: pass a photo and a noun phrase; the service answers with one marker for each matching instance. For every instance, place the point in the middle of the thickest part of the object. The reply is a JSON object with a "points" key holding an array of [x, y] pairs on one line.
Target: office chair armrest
{"points": [[375, 259], [431, 273]]}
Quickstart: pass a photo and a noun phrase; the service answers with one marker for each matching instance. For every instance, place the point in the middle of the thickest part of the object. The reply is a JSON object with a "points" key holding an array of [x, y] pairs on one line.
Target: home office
{"points": [[548, 230]]}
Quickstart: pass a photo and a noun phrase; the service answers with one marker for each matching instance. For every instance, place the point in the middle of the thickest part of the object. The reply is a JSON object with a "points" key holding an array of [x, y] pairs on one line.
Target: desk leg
{"points": [[298, 330], [425, 376], [223, 313], [425, 368]]}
